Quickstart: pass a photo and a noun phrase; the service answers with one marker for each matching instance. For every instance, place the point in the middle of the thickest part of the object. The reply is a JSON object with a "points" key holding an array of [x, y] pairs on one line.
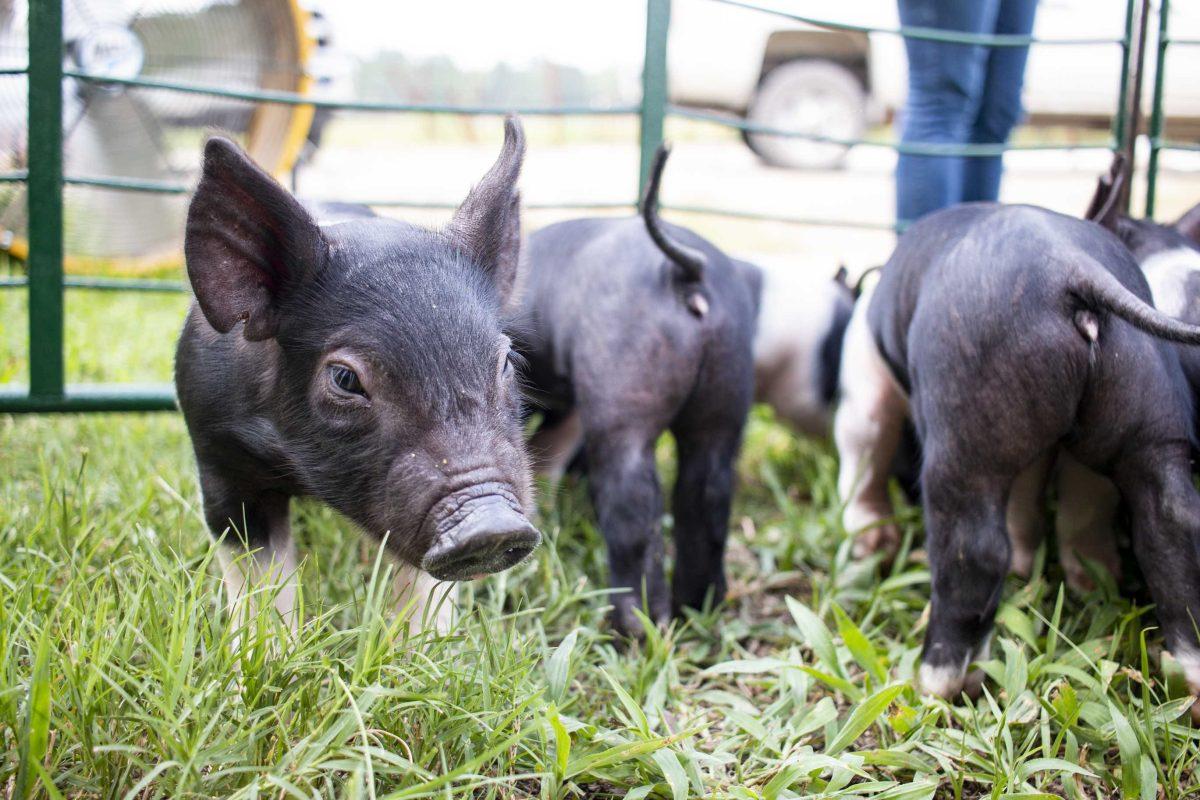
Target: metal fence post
{"points": [[1131, 94], [44, 197], [1119, 113], [1156, 111], [654, 85]]}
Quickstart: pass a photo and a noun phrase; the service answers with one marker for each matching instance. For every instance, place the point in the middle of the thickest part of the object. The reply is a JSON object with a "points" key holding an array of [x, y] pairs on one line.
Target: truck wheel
{"points": [[811, 96]]}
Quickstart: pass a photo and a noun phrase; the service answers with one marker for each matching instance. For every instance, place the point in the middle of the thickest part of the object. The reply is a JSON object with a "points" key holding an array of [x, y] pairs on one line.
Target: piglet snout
{"points": [[491, 537]]}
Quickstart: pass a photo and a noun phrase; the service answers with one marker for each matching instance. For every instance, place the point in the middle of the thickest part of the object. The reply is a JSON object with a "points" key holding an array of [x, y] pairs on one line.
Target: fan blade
{"points": [[223, 45], [80, 16], [118, 137]]}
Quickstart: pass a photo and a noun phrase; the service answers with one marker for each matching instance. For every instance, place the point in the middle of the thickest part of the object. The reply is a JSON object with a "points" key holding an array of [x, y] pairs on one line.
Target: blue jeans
{"points": [[958, 94]]}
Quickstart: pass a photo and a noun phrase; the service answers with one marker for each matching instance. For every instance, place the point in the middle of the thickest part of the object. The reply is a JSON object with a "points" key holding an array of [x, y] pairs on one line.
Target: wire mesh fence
{"points": [[46, 280]]}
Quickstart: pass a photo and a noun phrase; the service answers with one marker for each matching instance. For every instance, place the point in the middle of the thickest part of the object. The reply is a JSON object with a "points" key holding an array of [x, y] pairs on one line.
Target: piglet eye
{"points": [[346, 380], [512, 361]]}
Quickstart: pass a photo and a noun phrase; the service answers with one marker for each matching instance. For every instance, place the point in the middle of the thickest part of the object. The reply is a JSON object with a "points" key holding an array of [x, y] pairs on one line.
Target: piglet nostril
{"points": [[491, 538]]}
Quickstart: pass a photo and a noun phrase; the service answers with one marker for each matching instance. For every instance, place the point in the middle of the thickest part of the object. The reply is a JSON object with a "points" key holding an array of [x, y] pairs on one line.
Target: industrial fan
{"points": [[114, 130]]}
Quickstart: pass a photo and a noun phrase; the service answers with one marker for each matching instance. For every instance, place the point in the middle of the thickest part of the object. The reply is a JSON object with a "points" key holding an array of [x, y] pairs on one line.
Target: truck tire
{"points": [[812, 96]]}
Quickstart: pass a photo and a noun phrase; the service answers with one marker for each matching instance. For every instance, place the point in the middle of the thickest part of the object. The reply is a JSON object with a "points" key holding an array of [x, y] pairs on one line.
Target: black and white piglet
{"points": [[798, 343], [363, 362]]}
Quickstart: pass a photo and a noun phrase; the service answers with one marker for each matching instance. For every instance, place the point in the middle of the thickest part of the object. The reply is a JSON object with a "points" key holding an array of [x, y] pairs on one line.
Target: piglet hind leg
{"points": [[1087, 508], [969, 555], [701, 506], [1026, 514], [1166, 539], [555, 443], [867, 431], [623, 480]]}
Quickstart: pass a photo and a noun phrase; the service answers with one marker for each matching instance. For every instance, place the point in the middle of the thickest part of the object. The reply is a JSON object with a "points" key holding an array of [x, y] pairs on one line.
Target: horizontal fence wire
{"points": [[106, 284], [91, 397], [906, 148], [816, 222], [928, 34], [297, 99], [129, 184], [550, 205], [1167, 144], [171, 187]]}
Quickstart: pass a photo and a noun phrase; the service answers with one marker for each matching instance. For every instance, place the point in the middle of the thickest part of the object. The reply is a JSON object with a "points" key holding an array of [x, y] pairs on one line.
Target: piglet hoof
{"points": [[950, 682], [1187, 662], [883, 539], [628, 620], [1022, 563], [1079, 580], [627, 624], [973, 685], [942, 681]]}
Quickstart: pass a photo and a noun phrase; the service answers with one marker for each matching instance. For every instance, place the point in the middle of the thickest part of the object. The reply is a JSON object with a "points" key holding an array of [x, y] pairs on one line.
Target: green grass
{"points": [[111, 337], [121, 675]]}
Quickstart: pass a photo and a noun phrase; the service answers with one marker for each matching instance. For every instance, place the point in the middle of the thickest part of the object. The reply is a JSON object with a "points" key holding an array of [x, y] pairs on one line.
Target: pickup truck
{"points": [[790, 75]]}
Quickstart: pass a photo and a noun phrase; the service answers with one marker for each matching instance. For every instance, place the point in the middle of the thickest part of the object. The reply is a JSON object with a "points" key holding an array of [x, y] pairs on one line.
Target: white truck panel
{"points": [[717, 52]]}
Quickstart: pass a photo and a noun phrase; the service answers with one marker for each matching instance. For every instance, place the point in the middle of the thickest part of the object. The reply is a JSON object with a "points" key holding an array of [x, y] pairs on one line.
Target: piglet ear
{"points": [[1104, 209], [248, 243], [1189, 224], [487, 226]]}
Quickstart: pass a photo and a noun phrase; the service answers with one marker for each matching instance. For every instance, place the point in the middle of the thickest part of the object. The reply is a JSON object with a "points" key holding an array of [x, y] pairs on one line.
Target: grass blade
{"points": [[860, 647], [863, 716], [673, 772], [558, 667], [816, 635], [35, 729]]}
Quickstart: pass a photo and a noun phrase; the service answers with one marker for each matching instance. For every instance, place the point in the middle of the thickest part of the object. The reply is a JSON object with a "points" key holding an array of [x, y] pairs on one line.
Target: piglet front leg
{"points": [[256, 548]]}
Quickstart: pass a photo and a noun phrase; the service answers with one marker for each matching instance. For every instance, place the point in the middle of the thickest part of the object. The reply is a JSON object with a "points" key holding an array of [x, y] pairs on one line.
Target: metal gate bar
{"points": [[46, 283], [44, 195], [1158, 142]]}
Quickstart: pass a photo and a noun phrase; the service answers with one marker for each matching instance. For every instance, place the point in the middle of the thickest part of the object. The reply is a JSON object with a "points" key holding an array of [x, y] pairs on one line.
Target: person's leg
{"points": [[1000, 106], [945, 82]]}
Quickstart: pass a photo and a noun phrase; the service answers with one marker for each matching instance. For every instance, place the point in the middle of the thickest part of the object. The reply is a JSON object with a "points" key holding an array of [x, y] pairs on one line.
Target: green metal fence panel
{"points": [[654, 85], [1118, 126], [45, 200], [46, 283], [1131, 90], [1156, 111]]}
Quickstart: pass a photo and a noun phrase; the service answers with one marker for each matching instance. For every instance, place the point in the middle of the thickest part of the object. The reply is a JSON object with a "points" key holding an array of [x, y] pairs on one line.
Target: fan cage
{"points": [[46, 280]]}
